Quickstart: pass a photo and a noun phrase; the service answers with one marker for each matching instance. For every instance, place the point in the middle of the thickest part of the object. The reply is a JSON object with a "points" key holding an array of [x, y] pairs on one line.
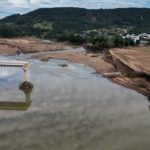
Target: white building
{"points": [[133, 37]]}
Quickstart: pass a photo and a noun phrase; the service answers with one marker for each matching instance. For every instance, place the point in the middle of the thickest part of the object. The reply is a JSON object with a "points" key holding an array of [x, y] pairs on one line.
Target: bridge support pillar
{"points": [[26, 72]]}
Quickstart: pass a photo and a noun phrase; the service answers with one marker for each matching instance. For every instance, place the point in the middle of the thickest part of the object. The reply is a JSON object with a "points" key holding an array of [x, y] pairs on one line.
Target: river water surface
{"points": [[72, 109]]}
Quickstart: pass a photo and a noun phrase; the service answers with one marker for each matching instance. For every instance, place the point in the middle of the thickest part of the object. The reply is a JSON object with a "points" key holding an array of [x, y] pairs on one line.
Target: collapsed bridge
{"points": [[23, 64]]}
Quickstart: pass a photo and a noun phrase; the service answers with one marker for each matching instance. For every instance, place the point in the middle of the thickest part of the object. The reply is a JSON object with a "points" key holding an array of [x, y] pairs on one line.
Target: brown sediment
{"points": [[134, 65], [96, 62], [29, 45]]}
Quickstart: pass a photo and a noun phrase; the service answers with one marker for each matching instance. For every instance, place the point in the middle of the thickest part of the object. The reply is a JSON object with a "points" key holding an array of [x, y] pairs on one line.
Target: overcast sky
{"points": [[8, 7]]}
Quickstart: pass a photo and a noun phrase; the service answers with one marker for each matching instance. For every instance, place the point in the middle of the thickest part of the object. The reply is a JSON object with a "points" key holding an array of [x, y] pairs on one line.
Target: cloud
{"points": [[8, 7], [18, 3]]}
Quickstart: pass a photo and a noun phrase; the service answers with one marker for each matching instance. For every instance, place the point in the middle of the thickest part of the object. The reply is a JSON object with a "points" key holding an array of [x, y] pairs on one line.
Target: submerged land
{"points": [[129, 67]]}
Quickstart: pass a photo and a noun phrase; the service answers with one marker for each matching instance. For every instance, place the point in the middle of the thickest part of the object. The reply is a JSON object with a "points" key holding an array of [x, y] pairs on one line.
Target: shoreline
{"points": [[116, 65], [119, 75], [134, 66]]}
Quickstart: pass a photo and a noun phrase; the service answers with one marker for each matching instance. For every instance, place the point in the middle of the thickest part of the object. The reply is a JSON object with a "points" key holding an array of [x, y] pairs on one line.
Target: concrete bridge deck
{"points": [[14, 63]]}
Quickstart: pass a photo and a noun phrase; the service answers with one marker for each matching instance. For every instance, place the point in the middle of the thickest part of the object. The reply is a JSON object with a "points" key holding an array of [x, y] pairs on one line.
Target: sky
{"points": [[9, 7]]}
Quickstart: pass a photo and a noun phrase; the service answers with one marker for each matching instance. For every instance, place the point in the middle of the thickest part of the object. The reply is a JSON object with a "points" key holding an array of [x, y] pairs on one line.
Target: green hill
{"points": [[51, 22]]}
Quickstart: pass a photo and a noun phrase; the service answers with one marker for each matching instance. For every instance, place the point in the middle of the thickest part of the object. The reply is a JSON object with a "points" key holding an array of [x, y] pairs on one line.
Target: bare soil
{"points": [[28, 45], [134, 64], [95, 61]]}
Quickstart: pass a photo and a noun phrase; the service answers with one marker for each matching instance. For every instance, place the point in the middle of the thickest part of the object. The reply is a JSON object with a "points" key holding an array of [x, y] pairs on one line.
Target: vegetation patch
{"points": [[44, 26]]}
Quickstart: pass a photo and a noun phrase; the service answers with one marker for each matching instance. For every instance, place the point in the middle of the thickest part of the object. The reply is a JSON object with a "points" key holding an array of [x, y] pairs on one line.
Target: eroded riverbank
{"points": [[134, 67]]}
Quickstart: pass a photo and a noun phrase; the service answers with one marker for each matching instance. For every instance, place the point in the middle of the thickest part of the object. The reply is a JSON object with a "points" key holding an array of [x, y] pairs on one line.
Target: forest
{"points": [[54, 22]]}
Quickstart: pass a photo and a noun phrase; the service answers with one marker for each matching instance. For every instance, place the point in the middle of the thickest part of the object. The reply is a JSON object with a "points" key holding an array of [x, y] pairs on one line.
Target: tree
{"points": [[126, 42], [119, 42], [76, 39], [100, 43]]}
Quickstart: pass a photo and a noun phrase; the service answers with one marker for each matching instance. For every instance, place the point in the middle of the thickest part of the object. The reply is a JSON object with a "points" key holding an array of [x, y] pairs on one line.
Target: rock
{"points": [[63, 65], [140, 82], [44, 59], [94, 55], [111, 75]]}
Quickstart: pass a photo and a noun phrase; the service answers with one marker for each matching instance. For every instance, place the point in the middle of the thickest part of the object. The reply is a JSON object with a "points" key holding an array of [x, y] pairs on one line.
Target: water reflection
{"points": [[73, 109], [26, 87]]}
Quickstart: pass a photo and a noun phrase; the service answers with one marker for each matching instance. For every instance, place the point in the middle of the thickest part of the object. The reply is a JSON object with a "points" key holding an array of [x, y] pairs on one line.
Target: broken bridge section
{"points": [[23, 64]]}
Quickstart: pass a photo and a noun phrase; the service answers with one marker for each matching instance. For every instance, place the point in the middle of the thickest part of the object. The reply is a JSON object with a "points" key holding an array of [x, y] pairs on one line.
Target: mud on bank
{"points": [[15, 46], [134, 67]]}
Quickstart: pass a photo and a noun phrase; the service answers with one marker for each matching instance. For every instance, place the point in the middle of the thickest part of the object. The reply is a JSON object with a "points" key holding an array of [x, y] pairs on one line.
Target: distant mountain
{"points": [[50, 22]]}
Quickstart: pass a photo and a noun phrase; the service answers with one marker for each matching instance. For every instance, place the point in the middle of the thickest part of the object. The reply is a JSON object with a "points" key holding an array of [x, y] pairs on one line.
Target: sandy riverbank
{"points": [[29, 45], [95, 61]]}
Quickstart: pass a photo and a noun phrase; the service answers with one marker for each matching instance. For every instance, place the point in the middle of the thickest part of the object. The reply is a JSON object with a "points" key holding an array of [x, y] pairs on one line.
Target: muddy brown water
{"points": [[72, 109]]}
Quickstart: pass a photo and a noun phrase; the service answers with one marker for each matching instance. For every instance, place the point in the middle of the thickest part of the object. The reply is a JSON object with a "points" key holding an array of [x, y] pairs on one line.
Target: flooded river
{"points": [[72, 109]]}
